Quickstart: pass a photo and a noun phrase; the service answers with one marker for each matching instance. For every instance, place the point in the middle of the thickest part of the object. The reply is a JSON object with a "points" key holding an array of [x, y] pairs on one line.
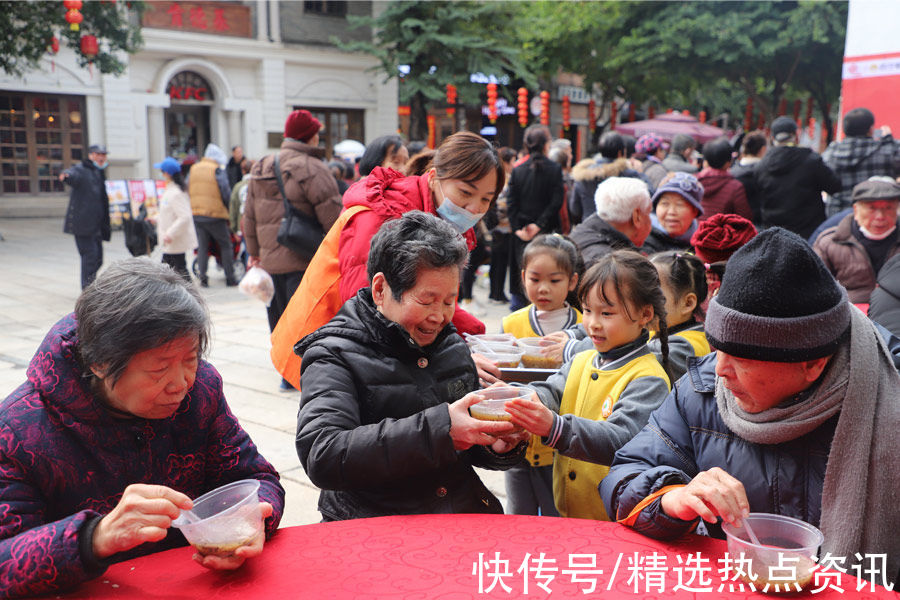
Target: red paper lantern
{"points": [[54, 45], [522, 106], [592, 115], [73, 18], [545, 107], [430, 121], [451, 99], [613, 113], [89, 46], [702, 116], [566, 112], [73, 4], [492, 101]]}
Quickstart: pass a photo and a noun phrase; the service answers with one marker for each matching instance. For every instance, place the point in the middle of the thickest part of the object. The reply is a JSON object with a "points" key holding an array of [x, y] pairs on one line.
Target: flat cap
{"points": [[876, 188]]}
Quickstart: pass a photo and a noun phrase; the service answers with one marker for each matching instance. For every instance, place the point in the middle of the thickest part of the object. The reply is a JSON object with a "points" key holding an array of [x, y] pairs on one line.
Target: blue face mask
{"points": [[99, 166], [461, 219]]}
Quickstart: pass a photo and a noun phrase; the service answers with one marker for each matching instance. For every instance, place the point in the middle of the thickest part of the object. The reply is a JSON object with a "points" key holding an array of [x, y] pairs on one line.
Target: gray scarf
{"points": [[861, 494]]}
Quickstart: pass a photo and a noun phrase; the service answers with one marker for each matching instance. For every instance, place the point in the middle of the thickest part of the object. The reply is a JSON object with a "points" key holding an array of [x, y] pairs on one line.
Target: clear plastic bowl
{"points": [[782, 561], [493, 338], [492, 407], [224, 519], [504, 355], [534, 357]]}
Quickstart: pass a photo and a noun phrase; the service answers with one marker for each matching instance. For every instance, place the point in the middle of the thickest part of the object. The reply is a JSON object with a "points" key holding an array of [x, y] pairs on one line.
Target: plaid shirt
{"points": [[855, 159]]}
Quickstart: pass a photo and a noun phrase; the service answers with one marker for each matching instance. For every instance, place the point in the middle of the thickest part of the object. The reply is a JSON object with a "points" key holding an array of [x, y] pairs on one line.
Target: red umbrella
{"points": [[669, 125]]}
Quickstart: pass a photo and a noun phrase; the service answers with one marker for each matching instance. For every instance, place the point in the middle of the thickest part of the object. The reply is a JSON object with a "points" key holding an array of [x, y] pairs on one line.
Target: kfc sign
{"points": [[189, 86]]}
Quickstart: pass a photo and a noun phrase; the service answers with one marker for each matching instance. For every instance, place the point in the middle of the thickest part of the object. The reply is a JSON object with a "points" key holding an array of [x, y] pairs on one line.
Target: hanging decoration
{"points": [[545, 107], [73, 16], [522, 106], [631, 112], [812, 127], [592, 115], [89, 46], [782, 107], [451, 99], [651, 112], [492, 101], [702, 116], [430, 120], [613, 110], [798, 104], [53, 47], [748, 114], [761, 121], [566, 113]]}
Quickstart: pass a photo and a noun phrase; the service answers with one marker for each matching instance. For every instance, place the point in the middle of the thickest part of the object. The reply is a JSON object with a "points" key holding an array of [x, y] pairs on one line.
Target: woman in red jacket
{"points": [[464, 178]]}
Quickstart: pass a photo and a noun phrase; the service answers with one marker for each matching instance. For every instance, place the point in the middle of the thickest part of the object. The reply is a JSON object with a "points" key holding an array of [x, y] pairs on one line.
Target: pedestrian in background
{"points": [[497, 222], [386, 151], [210, 194], [753, 148], [233, 168], [174, 225], [681, 155], [310, 188], [239, 196], [722, 192], [87, 217]]}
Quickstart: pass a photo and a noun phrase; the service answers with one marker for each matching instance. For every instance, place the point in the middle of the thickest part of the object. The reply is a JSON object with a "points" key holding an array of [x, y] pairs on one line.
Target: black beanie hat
{"points": [[778, 303]]}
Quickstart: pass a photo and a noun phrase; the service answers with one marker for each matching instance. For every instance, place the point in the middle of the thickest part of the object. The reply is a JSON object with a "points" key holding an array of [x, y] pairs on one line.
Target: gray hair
{"points": [[404, 247], [617, 197], [559, 155], [136, 304]]}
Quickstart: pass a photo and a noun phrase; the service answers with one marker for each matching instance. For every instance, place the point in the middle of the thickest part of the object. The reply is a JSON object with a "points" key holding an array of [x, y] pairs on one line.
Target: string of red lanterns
{"points": [[492, 101], [545, 107], [451, 99], [592, 115], [566, 113], [522, 106], [73, 16]]}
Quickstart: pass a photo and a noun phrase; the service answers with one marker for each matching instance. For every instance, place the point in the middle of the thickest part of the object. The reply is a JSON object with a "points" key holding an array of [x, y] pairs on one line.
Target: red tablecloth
{"points": [[446, 557]]}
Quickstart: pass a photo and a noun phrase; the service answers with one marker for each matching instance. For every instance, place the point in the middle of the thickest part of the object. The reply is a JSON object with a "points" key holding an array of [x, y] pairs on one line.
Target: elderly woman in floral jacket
{"points": [[118, 426]]}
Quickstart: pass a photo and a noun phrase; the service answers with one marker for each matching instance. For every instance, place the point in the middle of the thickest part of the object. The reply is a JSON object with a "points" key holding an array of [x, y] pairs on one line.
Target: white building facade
{"points": [[227, 73]]}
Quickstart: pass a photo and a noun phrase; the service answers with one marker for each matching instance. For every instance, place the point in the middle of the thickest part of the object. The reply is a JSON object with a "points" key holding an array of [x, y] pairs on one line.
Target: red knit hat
{"points": [[301, 125], [718, 237]]}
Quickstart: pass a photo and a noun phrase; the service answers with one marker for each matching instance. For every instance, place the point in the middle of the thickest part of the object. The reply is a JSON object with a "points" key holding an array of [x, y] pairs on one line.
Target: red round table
{"points": [[447, 557]]}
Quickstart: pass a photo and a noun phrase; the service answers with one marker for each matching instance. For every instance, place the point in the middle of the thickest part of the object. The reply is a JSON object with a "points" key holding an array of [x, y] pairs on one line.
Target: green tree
{"points": [[695, 55], [30, 26], [440, 43]]}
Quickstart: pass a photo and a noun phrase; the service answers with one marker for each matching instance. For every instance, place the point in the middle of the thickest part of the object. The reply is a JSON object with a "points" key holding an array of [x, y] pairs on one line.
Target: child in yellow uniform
{"points": [[683, 280], [603, 397], [550, 265]]}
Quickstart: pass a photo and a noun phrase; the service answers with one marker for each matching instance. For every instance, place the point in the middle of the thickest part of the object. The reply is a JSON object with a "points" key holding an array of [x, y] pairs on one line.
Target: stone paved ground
{"points": [[39, 283]]}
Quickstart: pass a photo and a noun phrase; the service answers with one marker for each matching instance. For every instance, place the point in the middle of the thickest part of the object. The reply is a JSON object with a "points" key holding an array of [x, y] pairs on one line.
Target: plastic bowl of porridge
{"points": [[782, 562], [492, 408], [534, 357], [224, 519], [505, 356]]}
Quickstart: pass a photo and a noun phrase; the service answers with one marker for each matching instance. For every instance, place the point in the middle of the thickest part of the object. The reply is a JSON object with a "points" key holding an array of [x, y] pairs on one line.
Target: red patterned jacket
{"points": [[65, 461]]}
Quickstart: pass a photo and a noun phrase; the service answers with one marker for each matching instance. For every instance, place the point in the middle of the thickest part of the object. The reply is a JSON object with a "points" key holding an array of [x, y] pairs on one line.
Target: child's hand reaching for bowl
{"points": [[530, 414]]}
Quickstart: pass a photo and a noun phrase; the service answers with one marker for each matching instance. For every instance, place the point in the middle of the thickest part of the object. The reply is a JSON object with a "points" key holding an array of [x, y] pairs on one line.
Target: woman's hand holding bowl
{"points": [[467, 431], [252, 548]]}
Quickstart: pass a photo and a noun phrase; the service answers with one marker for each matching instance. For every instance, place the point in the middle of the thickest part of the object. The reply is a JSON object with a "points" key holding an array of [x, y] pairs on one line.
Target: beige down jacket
{"points": [[175, 221], [310, 188]]}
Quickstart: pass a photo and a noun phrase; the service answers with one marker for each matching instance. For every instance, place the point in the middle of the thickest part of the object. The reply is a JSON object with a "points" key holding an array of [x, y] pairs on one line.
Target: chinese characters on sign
{"points": [[694, 573], [217, 18]]}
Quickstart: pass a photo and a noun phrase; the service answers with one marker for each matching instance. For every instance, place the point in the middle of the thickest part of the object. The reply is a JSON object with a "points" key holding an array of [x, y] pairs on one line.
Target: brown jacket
{"points": [[848, 261], [310, 188]]}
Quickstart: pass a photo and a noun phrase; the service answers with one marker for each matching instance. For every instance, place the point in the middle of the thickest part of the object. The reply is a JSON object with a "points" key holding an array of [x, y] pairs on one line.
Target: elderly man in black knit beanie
{"points": [[796, 413]]}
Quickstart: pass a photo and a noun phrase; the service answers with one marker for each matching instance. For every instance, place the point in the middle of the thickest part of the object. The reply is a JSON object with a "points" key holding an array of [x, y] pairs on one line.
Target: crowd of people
{"points": [[722, 348]]}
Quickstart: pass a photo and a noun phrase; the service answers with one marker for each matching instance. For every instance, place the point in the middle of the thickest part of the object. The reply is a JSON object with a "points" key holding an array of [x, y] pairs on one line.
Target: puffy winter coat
{"points": [[595, 238], [686, 435], [374, 430], [722, 193], [588, 174], [848, 260], [791, 180], [65, 461], [175, 221], [310, 188], [88, 210], [209, 189], [884, 303]]}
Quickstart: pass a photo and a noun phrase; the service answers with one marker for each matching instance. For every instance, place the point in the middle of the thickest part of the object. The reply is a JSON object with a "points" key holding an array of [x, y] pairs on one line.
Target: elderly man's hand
{"points": [[710, 494], [144, 514], [234, 560], [467, 431]]}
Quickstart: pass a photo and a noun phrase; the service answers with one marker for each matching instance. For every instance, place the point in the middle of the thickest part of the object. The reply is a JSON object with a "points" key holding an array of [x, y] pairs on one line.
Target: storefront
{"points": [[209, 72]]}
